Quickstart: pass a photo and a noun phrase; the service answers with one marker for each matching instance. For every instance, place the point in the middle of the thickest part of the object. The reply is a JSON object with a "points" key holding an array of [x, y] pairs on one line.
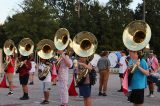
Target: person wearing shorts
{"points": [[10, 72], [46, 83], [122, 68], [139, 79], [24, 76]]}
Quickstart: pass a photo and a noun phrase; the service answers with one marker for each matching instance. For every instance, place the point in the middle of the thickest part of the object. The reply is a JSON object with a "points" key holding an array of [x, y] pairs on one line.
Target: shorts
{"points": [[46, 86], [137, 96], [85, 90], [121, 75], [24, 80]]}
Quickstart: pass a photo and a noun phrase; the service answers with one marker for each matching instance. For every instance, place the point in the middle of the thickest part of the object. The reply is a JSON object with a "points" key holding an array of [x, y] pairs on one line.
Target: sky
{"points": [[8, 7]]}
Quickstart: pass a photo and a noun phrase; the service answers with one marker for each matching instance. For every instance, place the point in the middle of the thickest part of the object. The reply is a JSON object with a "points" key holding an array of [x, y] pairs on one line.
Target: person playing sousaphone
{"points": [[84, 45], [135, 37], [45, 51], [61, 41], [25, 48], [9, 50]]}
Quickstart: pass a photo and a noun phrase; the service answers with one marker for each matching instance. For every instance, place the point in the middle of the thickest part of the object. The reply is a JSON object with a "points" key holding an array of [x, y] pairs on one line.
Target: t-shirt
{"points": [[48, 77], [139, 80], [103, 63], [122, 67]]}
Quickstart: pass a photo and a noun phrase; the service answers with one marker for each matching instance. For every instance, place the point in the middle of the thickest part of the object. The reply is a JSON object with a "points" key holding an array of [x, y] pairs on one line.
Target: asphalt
{"points": [[113, 97]]}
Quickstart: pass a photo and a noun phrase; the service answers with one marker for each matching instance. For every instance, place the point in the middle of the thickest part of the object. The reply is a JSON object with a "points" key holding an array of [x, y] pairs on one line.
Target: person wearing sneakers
{"points": [[153, 68], [103, 67], [9, 72], [138, 81], [23, 71], [122, 68], [46, 83], [32, 71]]}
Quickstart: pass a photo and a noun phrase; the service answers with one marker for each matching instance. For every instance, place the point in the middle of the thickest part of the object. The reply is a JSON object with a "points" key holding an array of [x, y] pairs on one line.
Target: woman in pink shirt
{"points": [[63, 71], [153, 67]]}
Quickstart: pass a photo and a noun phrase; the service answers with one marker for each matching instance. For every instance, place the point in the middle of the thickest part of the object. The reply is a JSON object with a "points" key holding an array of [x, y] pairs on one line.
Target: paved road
{"points": [[114, 98]]}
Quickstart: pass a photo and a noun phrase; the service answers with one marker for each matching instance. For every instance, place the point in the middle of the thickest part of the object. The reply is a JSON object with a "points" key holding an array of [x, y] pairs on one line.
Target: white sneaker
{"points": [[151, 96]]}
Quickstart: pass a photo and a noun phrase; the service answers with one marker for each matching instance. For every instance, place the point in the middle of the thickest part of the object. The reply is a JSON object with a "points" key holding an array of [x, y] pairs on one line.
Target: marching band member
{"points": [[47, 81], [139, 79], [9, 72], [85, 86], [63, 71], [32, 71], [24, 76], [153, 67]]}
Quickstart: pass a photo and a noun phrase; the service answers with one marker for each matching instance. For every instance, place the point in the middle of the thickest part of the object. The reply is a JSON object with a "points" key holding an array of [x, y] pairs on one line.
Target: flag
{"points": [[72, 91]]}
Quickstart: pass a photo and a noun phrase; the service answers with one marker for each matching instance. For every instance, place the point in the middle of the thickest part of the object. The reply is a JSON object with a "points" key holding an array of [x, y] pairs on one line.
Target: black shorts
{"points": [[121, 75], [137, 96], [24, 80]]}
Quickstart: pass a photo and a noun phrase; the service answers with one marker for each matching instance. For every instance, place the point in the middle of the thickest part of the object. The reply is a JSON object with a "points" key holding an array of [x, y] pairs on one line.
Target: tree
{"points": [[36, 21], [2, 36], [152, 18], [119, 16]]}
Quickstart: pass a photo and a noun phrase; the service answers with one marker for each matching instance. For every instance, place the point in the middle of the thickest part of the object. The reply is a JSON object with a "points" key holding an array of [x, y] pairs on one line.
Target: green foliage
{"points": [[37, 21], [41, 18], [152, 18]]}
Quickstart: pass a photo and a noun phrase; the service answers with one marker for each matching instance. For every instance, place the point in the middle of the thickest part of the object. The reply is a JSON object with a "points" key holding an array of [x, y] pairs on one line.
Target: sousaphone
{"points": [[62, 39], [84, 44], [26, 47], [45, 48], [9, 47], [136, 35]]}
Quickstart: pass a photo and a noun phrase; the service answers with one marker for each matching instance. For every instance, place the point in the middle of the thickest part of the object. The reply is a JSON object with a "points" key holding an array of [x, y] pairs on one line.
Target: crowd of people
{"points": [[138, 80]]}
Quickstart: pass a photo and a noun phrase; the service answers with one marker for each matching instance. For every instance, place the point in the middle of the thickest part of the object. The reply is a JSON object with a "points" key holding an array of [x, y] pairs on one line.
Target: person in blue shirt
{"points": [[138, 81]]}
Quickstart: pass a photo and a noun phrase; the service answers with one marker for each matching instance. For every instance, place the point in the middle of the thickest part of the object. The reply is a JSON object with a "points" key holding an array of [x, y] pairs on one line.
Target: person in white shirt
{"points": [[47, 81], [63, 76], [122, 68], [32, 71]]}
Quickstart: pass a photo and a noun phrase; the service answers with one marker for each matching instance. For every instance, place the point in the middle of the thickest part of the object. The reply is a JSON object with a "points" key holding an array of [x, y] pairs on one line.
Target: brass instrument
{"points": [[62, 39], [43, 74], [84, 45], [136, 35], [26, 47], [45, 48], [9, 47]]}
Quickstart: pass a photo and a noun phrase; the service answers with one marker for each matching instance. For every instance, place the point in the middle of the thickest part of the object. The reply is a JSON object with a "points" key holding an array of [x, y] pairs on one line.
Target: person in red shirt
{"points": [[9, 72], [24, 76]]}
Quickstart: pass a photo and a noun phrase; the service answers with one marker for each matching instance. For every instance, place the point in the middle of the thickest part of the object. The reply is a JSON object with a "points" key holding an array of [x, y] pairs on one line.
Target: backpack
{"points": [[93, 77]]}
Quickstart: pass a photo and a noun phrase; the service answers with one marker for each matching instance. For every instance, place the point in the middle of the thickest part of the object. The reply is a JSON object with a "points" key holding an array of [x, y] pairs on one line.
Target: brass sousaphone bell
{"points": [[62, 39], [45, 48], [84, 44], [9, 47], [26, 47], [136, 35]]}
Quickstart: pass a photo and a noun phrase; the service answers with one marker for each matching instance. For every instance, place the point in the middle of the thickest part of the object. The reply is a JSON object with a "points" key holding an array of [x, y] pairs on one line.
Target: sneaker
{"points": [[148, 95], [151, 96], [10, 93], [24, 98], [104, 94], [31, 83], [44, 102], [119, 90], [100, 94]]}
